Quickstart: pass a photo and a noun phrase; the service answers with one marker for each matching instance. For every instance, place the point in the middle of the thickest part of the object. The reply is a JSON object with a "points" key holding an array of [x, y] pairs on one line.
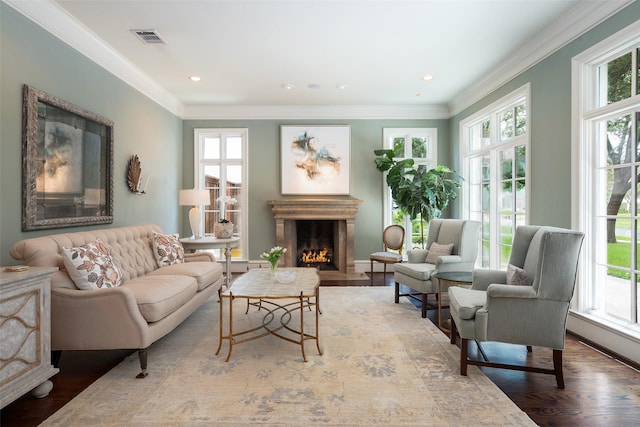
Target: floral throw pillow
{"points": [[517, 276], [91, 266], [437, 250], [167, 249]]}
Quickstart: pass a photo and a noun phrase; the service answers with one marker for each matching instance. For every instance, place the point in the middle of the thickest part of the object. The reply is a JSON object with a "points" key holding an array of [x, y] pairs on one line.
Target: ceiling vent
{"points": [[149, 36]]}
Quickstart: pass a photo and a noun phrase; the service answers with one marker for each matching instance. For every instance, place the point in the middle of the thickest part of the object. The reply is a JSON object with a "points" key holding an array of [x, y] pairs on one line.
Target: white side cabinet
{"points": [[25, 333]]}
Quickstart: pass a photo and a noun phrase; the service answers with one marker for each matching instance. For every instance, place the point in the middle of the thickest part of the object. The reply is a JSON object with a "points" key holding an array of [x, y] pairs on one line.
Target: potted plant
{"points": [[418, 191], [224, 228]]}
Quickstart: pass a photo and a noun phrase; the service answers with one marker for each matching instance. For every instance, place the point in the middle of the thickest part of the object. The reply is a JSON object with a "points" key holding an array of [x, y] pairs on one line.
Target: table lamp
{"points": [[194, 198]]}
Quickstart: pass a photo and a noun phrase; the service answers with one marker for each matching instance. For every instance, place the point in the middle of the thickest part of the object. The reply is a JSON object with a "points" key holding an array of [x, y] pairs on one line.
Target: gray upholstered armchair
{"points": [[461, 236], [527, 304]]}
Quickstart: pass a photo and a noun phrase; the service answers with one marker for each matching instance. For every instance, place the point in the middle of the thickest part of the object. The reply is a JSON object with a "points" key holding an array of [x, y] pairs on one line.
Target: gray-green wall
{"points": [[32, 56], [550, 125], [264, 173]]}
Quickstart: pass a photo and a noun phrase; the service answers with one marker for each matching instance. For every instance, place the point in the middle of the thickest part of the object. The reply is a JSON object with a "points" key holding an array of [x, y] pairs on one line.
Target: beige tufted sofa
{"points": [[150, 303]]}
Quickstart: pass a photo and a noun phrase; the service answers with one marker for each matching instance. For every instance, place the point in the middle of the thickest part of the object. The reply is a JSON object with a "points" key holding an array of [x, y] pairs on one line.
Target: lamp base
{"points": [[194, 221]]}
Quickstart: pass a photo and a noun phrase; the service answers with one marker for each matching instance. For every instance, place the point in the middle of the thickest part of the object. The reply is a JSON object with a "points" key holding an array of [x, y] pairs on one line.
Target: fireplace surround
{"points": [[343, 211]]}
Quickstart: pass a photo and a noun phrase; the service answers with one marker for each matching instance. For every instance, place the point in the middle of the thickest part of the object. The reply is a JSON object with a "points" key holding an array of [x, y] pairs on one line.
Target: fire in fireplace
{"points": [[315, 243]]}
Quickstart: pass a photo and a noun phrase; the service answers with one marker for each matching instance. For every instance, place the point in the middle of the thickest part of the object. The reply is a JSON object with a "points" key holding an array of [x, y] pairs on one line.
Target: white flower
{"points": [[227, 200]]}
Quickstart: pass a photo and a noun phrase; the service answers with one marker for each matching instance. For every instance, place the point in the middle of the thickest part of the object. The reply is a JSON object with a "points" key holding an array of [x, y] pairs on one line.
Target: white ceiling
{"points": [[246, 50]]}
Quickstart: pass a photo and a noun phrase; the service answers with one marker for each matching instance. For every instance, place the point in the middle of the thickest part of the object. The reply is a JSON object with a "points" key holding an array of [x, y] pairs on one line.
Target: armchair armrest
{"points": [[449, 259], [199, 256], [482, 278], [510, 291]]}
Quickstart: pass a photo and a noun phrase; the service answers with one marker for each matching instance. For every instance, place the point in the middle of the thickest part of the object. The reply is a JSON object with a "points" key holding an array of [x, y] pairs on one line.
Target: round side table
{"points": [[450, 278]]}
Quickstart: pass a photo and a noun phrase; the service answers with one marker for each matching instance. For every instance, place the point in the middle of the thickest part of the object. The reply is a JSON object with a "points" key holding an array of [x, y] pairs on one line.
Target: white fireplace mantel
{"points": [[287, 211]]}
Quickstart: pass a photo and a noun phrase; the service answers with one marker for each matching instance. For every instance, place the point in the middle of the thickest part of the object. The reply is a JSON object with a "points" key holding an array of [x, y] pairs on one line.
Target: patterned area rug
{"points": [[382, 365]]}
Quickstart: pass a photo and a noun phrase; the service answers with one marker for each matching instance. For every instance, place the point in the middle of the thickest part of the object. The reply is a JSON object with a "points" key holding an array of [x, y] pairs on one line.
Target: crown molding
{"points": [[580, 19], [315, 112], [57, 21]]}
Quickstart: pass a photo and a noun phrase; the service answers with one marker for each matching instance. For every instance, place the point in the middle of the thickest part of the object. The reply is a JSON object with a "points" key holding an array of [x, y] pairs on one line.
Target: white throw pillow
{"points": [[167, 249], [91, 266], [517, 276], [437, 250]]}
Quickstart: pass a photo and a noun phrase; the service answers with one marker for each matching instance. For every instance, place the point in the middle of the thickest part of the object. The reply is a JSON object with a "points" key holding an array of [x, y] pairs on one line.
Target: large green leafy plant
{"points": [[418, 191]]}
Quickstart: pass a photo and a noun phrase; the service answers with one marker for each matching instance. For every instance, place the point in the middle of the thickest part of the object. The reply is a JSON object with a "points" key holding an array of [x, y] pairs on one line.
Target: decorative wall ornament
{"points": [[67, 164], [315, 159], [134, 176]]}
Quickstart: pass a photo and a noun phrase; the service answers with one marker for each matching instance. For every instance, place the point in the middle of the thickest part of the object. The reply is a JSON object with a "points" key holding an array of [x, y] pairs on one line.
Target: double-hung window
{"points": [[494, 149], [220, 166], [606, 151], [419, 144]]}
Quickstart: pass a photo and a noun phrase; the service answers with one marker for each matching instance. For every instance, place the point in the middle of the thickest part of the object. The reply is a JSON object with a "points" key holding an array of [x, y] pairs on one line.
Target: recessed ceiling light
{"points": [[314, 86], [418, 94], [287, 86], [428, 77], [195, 78], [342, 86]]}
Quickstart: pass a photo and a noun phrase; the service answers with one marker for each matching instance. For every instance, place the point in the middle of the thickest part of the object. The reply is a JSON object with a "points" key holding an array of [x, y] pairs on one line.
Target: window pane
{"points": [[234, 147], [398, 144], [638, 78], [475, 137], [506, 229], [521, 161], [521, 119], [506, 164], [505, 252], [618, 191], [618, 78], [506, 124], [506, 198], [419, 147], [211, 148], [486, 132], [521, 195]]}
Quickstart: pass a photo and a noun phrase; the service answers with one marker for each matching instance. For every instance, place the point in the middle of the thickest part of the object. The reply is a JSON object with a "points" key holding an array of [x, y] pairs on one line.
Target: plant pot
{"points": [[223, 230]]}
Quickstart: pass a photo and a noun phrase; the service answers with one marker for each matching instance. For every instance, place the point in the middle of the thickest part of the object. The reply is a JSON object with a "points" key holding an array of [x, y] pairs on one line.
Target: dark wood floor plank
{"points": [[599, 390]]}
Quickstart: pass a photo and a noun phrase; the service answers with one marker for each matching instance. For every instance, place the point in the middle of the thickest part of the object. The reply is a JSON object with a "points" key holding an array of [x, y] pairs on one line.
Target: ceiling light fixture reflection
{"points": [[342, 86], [195, 78], [428, 77], [287, 86]]}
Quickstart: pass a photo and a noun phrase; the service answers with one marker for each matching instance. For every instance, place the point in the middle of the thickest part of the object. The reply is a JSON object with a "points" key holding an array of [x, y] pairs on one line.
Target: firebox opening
{"points": [[315, 243]]}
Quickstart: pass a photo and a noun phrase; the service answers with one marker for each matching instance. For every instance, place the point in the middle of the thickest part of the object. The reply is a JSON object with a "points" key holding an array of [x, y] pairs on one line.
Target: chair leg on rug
{"points": [[397, 299], [371, 275], [557, 366], [464, 345], [529, 349], [142, 355], [424, 305], [453, 333]]}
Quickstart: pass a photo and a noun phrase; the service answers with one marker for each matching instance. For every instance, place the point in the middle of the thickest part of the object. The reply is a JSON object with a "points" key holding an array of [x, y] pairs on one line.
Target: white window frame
{"points": [[198, 176], [492, 149], [585, 113], [388, 135]]}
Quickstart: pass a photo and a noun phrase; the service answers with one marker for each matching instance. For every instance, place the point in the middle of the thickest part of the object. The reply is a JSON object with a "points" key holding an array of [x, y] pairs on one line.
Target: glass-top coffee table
{"points": [[280, 300]]}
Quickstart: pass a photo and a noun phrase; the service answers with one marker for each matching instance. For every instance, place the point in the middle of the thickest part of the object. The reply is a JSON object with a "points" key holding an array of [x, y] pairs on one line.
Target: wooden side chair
{"points": [[393, 239]]}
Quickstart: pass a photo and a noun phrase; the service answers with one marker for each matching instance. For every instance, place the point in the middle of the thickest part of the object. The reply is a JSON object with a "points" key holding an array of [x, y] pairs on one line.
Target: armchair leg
{"points": [[453, 333], [557, 367], [464, 348], [397, 299], [371, 275], [424, 305], [529, 349]]}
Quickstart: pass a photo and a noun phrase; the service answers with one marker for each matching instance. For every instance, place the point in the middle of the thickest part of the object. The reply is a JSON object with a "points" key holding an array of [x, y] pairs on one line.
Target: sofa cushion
{"points": [[167, 249], [158, 296], [417, 271], [467, 301], [91, 266], [437, 250], [205, 273]]}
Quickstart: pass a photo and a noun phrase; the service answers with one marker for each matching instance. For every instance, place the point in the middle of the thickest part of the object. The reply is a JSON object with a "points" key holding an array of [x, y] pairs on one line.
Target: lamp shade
{"points": [[194, 197]]}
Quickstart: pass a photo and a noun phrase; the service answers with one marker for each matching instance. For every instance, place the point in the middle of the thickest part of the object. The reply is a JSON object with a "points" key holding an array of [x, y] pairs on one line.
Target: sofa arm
{"points": [[98, 319], [199, 256], [482, 278]]}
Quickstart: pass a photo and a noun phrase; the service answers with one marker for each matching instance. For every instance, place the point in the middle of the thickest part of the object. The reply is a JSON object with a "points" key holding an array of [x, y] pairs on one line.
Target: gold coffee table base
{"points": [[276, 300]]}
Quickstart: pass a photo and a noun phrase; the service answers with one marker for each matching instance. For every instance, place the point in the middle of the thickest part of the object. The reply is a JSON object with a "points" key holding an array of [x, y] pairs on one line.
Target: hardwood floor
{"points": [[599, 390]]}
